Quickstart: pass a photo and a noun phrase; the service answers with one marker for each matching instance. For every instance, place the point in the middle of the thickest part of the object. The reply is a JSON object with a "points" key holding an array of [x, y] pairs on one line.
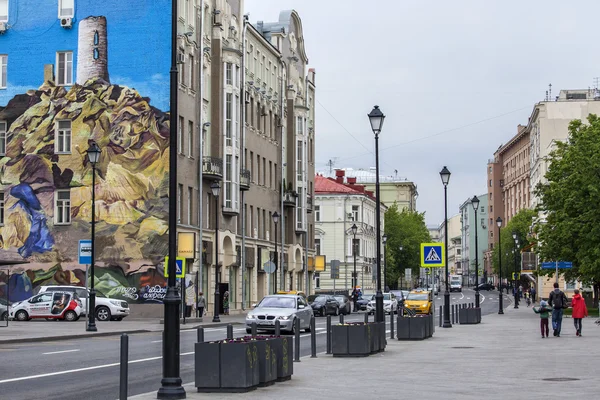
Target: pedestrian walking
{"points": [[544, 311], [532, 292], [355, 299], [226, 303], [579, 311], [557, 301], [201, 304], [527, 298]]}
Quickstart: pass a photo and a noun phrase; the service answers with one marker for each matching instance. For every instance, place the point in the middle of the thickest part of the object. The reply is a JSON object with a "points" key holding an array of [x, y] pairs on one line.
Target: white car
{"points": [[107, 309], [51, 305], [390, 304]]}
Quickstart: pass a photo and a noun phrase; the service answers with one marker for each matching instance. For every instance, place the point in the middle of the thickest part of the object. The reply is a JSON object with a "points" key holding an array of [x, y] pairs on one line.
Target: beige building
{"points": [[391, 188], [454, 244]]}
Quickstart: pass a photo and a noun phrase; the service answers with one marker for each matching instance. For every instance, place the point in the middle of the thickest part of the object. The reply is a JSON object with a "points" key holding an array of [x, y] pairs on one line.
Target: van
{"points": [[456, 283]]}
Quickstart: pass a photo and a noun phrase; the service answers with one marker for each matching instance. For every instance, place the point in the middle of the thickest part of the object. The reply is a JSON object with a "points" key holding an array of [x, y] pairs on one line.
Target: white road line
{"points": [[156, 341], [468, 298], [481, 298], [462, 295], [62, 351]]}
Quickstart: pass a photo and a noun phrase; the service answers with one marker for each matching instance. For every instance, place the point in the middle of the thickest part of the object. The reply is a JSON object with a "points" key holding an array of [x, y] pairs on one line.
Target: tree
{"points": [[406, 229], [519, 224], [569, 201]]}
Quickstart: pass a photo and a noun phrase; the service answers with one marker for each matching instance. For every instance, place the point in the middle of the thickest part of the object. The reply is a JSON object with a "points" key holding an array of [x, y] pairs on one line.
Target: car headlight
{"points": [[285, 317], [251, 316], [115, 302]]}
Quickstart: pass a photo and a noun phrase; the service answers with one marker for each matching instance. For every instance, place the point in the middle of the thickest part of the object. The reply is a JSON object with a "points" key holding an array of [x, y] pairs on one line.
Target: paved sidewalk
{"points": [[40, 330], [503, 357]]}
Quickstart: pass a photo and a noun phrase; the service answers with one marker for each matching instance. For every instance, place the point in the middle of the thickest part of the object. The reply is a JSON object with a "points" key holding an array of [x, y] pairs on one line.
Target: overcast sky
{"points": [[454, 79]]}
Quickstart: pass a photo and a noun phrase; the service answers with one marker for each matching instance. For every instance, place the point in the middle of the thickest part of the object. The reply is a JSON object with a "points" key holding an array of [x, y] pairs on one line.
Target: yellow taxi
{"points": [[420, 301], [296, 292]]}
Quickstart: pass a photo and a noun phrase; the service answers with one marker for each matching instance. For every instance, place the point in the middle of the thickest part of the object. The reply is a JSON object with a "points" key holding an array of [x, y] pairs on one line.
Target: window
{"points": [[190, 197], [490, 183], [1, 208], [179, 203], [64, 68], [270, 174], [317, 213], [317, 278], [252, 167], [258, 169], [318, 247], [264, 171], [482, 209], [2, 138], [570, 285], [3, 68], [3, 10], [491, 208], [180, 135], [62, 139], [190, 142], [66, 8], [228, 122], [299, 160], [355, 213], [62, 207], [191, 72], [228, 73], [228, 179]]}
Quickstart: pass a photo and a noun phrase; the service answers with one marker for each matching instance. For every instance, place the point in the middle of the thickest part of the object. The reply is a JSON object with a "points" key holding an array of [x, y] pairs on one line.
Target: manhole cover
{"points": [[560, 379], [463, 347]]}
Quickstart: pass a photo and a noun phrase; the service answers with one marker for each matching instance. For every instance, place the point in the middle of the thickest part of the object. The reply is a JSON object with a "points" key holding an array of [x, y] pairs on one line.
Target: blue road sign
{"points": [[179, 267], [561, 265], [85, 252], [432, 255]]}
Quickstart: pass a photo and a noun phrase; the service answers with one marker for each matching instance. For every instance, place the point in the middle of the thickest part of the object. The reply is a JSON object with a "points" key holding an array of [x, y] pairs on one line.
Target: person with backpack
{"points": [[579, 311], [544, 312], [557, 301]]}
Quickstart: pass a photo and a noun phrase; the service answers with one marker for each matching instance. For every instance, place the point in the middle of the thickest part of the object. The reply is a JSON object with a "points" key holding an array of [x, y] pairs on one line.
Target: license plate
{"points": [[265, 323]]}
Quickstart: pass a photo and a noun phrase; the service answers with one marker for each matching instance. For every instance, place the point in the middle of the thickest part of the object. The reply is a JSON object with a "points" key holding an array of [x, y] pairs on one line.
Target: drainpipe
{"points": [[305, 266], [283, 219], [200, 147], [243, 155]]}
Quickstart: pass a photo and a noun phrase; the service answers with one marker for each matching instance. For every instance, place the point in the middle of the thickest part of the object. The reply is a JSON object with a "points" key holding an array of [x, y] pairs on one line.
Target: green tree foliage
{"points": [[407, 229], [519, 224], [570, 203]]}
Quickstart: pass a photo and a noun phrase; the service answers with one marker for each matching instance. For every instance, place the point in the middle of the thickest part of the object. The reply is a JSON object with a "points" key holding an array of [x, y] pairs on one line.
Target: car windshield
{"points": [[320, 299], [278, 302], [418, 296], [340, 298]]}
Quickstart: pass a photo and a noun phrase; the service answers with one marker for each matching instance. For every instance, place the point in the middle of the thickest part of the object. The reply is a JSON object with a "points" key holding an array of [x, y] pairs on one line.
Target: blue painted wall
{"points": [[138, 44]]}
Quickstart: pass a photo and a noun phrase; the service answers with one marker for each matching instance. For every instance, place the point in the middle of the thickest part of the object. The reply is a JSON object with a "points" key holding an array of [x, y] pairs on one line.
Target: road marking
{"points": [[25, 378], [156, 341], [60, 352], [468, 298]]}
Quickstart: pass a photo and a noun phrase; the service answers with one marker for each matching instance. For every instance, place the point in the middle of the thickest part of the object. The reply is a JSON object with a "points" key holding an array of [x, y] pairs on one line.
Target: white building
{"points": [[338, 206], [468, 228], [454, 244]]}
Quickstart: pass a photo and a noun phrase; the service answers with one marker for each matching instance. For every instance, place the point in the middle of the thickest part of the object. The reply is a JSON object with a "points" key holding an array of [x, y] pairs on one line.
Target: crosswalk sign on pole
{"points": [[179, 266], [432, 255]]}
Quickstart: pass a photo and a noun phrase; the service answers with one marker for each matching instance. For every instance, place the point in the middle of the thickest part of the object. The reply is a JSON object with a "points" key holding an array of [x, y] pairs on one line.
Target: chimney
{"points": [[351, 181], [339, 175]]}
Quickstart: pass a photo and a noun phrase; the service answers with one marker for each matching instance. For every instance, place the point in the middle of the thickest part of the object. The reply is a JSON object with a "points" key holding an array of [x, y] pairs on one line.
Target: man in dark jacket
{"points": [[557, 301]]}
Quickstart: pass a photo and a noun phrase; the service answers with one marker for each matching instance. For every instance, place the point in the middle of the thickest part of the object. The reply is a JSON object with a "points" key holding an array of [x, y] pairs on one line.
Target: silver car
{"points": [[285, 308], [3, 310]]}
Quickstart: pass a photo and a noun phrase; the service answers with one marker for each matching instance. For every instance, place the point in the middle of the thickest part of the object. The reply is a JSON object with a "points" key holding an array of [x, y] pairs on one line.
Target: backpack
{"points": [[559, 300]]}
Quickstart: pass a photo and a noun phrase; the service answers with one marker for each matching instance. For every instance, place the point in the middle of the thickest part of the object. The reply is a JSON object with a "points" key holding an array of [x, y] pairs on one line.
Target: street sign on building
{"points": [[557, 265], [335, 269], [269, 267], [179, 267], [85, 252], [516, 276], [432, 255]]}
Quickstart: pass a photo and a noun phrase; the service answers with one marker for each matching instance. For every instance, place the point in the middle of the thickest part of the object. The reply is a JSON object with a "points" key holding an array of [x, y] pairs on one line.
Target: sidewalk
{"points": [[503, 357], [40, 330]]}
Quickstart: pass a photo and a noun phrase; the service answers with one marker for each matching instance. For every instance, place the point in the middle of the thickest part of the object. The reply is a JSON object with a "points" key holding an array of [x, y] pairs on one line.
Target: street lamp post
{"points": [[400, 268], [275, 221], [445, 175], [216, 189], [516, 293], [500, 296], [385, 286], [354, 229], [376, 119], [475, 203], [93, 153]]}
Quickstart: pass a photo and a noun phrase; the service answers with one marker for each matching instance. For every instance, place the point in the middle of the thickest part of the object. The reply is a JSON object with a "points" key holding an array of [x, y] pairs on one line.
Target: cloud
{"points": [[156, 88]]}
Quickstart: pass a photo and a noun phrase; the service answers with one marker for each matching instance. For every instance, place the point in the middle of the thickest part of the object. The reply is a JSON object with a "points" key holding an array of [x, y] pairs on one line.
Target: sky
{"points": [[454, 79]]}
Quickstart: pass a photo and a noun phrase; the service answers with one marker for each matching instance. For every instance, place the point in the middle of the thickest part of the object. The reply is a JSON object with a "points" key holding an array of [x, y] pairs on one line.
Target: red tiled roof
{"points": [[329, 185]]}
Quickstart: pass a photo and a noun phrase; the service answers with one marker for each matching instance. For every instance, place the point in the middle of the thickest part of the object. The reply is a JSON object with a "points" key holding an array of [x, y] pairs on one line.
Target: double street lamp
{"points": [[354, 229], [93, 153], [516, 292], [376, 119], [275, 221], [445, 175], [500, 296], [216, 190], [475, 204], [385, 287]]}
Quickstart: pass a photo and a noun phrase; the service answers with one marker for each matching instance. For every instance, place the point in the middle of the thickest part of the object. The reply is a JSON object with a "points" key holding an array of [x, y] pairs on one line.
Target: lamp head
{"points": [[376, 118], [93, 153], [275, 217], [445, 175], [354, 228], [384, 239], [215, 188], [475, 203], [499, 222]]}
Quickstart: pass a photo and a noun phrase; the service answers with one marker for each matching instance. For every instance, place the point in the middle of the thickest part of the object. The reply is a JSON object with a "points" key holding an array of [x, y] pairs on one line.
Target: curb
{"points": [[75, 336]]}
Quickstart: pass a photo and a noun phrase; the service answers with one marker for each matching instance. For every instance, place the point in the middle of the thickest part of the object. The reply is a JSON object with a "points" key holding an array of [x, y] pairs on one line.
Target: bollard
{"points": [[457, 314], [124, 367], [440, 316], [366, 318], [200, 334], [452, 313], [297, 344], [391, 325], [253, 329], [230, 332], [277, 328], [342, 319], [328, 334], [313, 338]]}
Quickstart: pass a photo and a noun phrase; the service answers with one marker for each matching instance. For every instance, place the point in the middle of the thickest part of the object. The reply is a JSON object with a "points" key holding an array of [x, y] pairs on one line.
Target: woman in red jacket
{"points": [[579, 311]]}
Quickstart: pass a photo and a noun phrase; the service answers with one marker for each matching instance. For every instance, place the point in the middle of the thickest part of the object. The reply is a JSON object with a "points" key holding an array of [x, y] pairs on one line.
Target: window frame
{"points": [[61, 7], [69, 64], [317, 213], [3, 71], [3, 132], [64, 134], [62, 210], [4, 17]]}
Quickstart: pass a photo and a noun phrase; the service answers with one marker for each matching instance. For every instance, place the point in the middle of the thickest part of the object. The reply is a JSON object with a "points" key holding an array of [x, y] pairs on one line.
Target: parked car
{"points": [[485, 286], [107, 309], [283, 307], [51, 305], [363, 301], [390, 304], [420, 302], [325, 305], [3, 309], [345, 305], [400, 297]]}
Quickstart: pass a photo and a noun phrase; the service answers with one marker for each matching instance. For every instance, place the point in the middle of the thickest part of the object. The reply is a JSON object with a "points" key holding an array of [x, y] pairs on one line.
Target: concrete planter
{"points": [[285, 359], [359, 344], [267, 360], [207, 366], [469, 316], [357, 340], [415, 328], [403, 328]]}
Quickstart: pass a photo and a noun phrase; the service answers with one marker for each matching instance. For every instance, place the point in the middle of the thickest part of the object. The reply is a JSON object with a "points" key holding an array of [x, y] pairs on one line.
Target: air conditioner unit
{"points": [[3, 27], [180, 58], [66, 22]]}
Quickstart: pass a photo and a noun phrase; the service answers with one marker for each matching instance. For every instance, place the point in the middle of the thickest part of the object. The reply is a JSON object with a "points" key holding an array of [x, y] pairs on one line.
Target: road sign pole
{"points": [[557, 271]]}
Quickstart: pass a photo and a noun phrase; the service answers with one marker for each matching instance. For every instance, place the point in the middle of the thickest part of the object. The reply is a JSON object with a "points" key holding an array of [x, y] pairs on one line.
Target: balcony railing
{"points": [[244, 179], [289, 198], [212, 168], [309, 204]]}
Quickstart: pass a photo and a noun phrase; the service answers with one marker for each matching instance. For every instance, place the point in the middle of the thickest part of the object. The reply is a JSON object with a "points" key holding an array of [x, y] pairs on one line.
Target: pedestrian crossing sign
{"points": [[179, 267], [432, 255]]}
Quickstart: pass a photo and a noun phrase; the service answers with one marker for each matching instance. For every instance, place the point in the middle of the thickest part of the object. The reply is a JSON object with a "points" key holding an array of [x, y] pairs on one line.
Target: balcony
{"points": [[289, 198], [244, 179], [212, 168], [309, 204]]}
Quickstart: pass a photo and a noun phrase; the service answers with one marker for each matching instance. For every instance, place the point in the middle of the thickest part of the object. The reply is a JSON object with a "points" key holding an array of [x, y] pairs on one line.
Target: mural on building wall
{"points": [[115, 61]]}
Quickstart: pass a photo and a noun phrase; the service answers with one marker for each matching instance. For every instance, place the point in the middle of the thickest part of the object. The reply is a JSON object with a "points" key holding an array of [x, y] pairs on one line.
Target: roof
{"points": [[329, 185]]}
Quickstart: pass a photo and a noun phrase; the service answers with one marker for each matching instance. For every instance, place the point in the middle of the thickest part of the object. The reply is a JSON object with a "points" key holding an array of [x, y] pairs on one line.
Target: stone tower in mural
{"points": [[92, 50]]}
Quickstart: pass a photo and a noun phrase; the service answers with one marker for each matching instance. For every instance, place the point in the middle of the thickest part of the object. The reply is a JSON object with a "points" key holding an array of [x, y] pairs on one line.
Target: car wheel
{"points": [[4, 316], [102, 313], [307, 330], [248, 330], [22, 315], [336, 312], [71, 316], [293, 329]]}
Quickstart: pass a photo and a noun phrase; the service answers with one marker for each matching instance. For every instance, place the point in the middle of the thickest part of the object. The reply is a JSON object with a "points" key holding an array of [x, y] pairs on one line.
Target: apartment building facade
{"points": [[470, 226], [454, 244]]}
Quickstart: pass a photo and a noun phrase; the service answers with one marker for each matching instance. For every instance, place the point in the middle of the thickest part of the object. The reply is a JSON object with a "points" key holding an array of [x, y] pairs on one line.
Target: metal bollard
{"points": [[342, 319], [253, 329], [297, 344], [366, 318], [200, 334], [277, 328], [440, 316], [229, 332], [124, 372], [328, 334], [457, 314], [391, 325], [452, 313], [313, 338]]}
